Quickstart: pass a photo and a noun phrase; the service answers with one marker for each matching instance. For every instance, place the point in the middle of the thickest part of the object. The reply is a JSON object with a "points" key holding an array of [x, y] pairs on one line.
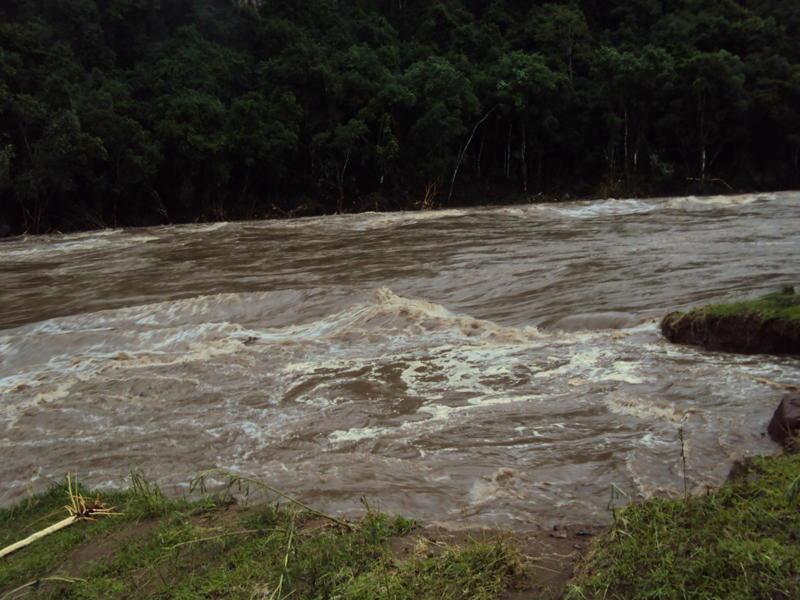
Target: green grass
{"points": [[741, 541], [46, 557], [784, 305], [165, 548]]}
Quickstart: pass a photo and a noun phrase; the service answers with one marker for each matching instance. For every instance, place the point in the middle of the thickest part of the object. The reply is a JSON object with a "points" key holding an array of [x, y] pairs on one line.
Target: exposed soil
{"points": [[104, 548], [549, 558], [744, 334]]}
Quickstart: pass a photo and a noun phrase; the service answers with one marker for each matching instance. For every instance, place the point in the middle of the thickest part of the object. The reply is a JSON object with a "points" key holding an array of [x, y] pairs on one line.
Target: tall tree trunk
{"points": [[464, 152], [539, 168], [524, 159], [625, 142], [507, 163], [611, 157], [702, 164], [570, 53], [480, 155], [637, 146], [702, 133], [340, 180]]}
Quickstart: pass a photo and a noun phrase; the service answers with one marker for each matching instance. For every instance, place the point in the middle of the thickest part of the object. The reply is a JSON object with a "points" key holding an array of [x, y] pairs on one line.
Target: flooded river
{"points": [[496, 366]]}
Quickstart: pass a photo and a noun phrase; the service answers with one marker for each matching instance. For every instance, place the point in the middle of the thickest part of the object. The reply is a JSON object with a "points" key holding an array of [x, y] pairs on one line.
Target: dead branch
{"points": [[79, 509]]}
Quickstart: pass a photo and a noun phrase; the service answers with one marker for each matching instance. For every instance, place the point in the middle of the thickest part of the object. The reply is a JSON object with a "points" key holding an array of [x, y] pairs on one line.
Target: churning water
{"points": [[490, 366]]}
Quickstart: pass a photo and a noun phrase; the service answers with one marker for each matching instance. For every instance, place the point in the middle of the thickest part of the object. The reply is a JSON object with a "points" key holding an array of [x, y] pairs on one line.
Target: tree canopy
{"points": [[124, 112]]}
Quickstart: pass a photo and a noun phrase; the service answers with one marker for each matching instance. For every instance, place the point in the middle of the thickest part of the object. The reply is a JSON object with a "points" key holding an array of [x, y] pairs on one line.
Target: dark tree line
{"points": [[118, 112]]}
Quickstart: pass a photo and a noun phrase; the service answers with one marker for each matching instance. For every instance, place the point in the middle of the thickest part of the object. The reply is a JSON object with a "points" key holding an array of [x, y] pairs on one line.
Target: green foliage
{"points": [[46, 556], [136, 111], [479, 571], [739, 542], [176, 549], [783, 305]]}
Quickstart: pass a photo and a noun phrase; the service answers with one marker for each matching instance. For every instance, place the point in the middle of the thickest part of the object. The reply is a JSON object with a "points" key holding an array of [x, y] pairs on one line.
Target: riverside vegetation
{"points": [[209, 548], [126, 112], [739, 541], [770, 324]]}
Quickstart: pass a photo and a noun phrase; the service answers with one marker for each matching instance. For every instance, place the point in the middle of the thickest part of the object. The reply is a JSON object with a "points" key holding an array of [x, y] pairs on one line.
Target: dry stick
{"points": [[234, 477], [38, 535], [40, 580], [78, 510], [214, 537], [464, 152], [279, 590], [683, 459], [543, 568], [616, 492]]}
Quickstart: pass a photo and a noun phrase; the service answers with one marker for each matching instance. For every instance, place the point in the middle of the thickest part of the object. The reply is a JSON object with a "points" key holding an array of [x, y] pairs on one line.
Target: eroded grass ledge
{"points": [[769, 324]]}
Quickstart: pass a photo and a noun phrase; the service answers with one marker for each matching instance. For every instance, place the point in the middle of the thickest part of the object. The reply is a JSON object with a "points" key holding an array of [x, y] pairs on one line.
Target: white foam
{"points": [[578, 362], [45, 248], [690, 202], [207, 228], [374, 220], [501, 483], [600, 208], [634, 406], [624, 372], [357, 434]]}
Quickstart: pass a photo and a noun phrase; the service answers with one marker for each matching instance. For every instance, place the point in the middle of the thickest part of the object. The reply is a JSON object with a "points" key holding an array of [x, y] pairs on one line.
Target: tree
{"points": [[445, 104], [526, 90], [263, 135], [634, 83], [559, 30], [137, 111], [715, 96]]}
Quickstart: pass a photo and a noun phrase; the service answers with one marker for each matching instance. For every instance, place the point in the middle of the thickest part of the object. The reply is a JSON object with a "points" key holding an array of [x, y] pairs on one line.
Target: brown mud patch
{"points": [[104, 548], [548, 557]]}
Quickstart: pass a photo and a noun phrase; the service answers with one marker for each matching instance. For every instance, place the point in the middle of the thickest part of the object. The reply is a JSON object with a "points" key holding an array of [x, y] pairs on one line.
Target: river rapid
{"points": [[488, 366]]}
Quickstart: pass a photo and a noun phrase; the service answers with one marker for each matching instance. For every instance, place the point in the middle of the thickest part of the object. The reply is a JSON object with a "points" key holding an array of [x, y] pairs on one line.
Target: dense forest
{"points": [[125, 112]]}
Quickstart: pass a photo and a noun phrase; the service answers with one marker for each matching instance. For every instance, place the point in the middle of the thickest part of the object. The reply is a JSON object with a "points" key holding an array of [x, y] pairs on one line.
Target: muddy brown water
{"points": [[496, 366]]}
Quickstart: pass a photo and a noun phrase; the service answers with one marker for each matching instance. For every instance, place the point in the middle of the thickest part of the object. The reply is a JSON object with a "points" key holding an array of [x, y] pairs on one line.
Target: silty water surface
{"points": [[493, 366]]}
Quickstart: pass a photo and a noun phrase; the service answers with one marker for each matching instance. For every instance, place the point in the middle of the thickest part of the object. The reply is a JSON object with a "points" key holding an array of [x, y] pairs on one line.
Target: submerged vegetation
{"points": [[738, 542], [770, 323], [165, 548], [116, 112]]}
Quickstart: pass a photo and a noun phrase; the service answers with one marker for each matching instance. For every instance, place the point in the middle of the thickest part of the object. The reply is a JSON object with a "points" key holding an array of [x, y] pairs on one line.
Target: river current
{"points": [[488, 366]]}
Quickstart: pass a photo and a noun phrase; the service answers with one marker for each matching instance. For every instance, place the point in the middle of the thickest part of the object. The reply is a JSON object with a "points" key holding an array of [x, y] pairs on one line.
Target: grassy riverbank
{"points": [[159, 547], [740, 541], [783, 305], [769, 324]]}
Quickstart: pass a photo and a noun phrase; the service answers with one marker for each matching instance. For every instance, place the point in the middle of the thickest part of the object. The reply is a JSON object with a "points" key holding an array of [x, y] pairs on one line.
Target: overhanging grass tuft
{"points": [[769, 324]]}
